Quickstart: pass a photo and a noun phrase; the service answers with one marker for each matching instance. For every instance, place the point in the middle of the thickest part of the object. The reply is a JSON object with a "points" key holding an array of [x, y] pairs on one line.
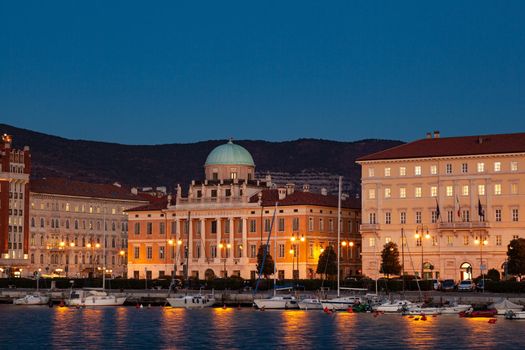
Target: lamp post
{"points": [[348, 245], [481, 241], [226, 247], [92, 247], [171, 242], [294, 251], [419, 236], [122, 254]]}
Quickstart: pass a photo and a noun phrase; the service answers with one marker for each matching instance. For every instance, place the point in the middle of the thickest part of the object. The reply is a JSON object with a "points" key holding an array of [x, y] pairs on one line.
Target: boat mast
{"points": [[275, 250], [104, 252], [339, 237]]}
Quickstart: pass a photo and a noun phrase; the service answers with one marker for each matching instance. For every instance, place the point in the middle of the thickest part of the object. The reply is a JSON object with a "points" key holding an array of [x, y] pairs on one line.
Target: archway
{"points": [[209, 274], [465, 271], [428, 270]]}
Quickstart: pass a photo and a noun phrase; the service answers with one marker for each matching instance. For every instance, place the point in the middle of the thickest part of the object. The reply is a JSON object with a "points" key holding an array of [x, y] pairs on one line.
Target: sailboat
{"points": [[96, 296], [286, 301]]}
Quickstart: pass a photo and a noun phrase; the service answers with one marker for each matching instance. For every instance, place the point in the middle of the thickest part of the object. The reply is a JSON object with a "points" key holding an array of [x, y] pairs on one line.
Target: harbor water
{"points": [[232, 328]]}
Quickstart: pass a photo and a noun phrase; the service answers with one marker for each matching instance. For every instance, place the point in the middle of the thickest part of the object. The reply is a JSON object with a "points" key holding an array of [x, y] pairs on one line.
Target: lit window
{"points": [[372, 193], [417, 170], [387, 171], [464, 168], [433, 191], [433, 169], [388, 192], [371, 172], [450, 191], [497, 166], [372, 218], [465, 240], [481, 190], [513, 166], [514, 188], [418, 192], [402, 171], [481, 167], [372, 241], [450, 241], [402, 192], [498, 240], [449, 168], [464, 190], [388, 240], [497, 189]]}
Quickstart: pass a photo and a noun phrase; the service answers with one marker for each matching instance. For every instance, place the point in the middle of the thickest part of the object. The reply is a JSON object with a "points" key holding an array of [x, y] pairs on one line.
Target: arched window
{"points": [[76, 224], [42, 258], [42, 223], [67, 223], [76, 259], [32, 222]]}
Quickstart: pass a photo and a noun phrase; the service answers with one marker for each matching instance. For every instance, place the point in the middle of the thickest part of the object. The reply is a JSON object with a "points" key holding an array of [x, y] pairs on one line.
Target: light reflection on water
{"points": [[167, 328]]}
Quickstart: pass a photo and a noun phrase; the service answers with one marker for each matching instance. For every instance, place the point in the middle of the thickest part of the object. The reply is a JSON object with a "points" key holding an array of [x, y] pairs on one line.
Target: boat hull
{"points": [[191, 302], [276, 304], [478, 313], [312, 304], [454, 310], [32, 300], [108, 300], [420, 311], [515, 315]]}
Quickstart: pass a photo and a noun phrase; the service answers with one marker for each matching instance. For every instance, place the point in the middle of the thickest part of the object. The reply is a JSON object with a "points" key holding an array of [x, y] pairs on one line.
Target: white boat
{"points": [[394, 306], [94, 298], [341, 303], [506, 305], [310, 304], [419, 310], [515, 315], [454, 309], [192, 301], [32, 299], [277, 302]]}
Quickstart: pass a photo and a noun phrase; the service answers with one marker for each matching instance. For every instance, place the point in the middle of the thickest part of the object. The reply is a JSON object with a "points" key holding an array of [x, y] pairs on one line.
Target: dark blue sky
{"points": [[173, 71]]}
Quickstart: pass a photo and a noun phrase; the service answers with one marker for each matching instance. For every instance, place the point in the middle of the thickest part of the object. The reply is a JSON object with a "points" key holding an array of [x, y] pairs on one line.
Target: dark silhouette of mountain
{"points": [[317, 162]]}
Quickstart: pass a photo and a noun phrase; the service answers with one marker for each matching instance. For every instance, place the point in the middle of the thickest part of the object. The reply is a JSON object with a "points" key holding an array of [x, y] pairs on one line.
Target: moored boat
{"points": [[310, 304], [420, 310], [454, 309], [94, 298], [506, 305], [515, 315], [192, 301], [394, 306], [478, 313], [277, 302], [32, 299], [341, 303]]}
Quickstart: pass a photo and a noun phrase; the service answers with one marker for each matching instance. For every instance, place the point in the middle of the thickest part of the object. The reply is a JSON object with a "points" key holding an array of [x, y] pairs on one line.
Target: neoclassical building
{"points": [[463, 196], [77, 228], [216, 227], [15, 167]]}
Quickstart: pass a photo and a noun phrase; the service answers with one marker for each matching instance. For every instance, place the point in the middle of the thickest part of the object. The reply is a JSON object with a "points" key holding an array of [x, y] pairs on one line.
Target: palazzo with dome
{"points": [[215, 227]]}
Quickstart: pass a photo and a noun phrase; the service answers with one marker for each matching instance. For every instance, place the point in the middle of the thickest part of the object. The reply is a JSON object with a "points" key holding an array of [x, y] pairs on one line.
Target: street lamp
{"points": [[419, 236], [226, 247], [295, 253], [481, 241], [93, 247], [171, 242], [348, 245]]}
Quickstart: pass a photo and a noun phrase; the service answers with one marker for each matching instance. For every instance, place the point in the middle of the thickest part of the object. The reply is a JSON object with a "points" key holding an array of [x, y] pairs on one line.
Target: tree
{"points": [[269, 264], [516, 257], [493, 275], [327, 263], [390, 260]]}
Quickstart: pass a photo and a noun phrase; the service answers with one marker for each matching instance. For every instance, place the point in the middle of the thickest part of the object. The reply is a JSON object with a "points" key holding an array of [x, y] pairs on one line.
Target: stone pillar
{"points": [[202, 223], [231, 239], [219, 237], [190, 241], [244, 251]]}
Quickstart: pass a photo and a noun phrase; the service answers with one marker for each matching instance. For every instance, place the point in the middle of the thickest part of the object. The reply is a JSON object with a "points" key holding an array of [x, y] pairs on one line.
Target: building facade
{"points": [[216, 228], [451, 204], [77, 228], [15, 167]]}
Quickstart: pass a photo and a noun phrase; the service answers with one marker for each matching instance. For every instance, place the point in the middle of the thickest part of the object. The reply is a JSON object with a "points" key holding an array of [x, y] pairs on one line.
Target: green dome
{"points": [[229, 154]]}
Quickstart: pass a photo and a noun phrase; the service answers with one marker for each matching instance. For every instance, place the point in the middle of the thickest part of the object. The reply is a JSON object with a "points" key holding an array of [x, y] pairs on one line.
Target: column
{"points": [[232, 237], [190, 241], [244, 239], [219, 237], [202, 223]]}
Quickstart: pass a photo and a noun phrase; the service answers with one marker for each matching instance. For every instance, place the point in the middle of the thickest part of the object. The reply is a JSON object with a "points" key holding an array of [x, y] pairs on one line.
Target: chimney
{"points": [[429, 135], [480, 140], [268, 180], [436, 134], [290, 188], [324, 192], [282, 193], [134, 191], [116, 184], [306, 188]]}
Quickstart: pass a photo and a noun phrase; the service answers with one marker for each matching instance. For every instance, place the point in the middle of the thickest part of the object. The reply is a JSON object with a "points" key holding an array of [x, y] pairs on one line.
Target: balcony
{"points": [[463, 225], [369, 227]]}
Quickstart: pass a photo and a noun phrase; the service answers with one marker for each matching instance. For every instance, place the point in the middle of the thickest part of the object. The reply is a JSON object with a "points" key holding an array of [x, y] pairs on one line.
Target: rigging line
{"points": [[414, 268], [266, 247]]}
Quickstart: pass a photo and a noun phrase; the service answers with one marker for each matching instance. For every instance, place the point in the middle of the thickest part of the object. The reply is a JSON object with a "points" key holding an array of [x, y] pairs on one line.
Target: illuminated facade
{"points": [[68, 223], [464, 196], [217, 227], [15, 167]]}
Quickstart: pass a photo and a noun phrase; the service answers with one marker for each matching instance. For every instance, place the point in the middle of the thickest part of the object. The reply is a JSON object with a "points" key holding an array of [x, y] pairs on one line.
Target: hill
{"points": [[313, 161]]}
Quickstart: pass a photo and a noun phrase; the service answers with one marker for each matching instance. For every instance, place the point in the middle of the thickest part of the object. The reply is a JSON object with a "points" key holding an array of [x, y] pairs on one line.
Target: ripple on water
{"points": [[166, 328]]}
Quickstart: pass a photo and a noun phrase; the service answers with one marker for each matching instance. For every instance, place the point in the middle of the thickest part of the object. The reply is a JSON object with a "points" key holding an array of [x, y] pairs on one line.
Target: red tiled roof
{"points": [[453, 146], [156, 204], [270, 197], [68, 187]]}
